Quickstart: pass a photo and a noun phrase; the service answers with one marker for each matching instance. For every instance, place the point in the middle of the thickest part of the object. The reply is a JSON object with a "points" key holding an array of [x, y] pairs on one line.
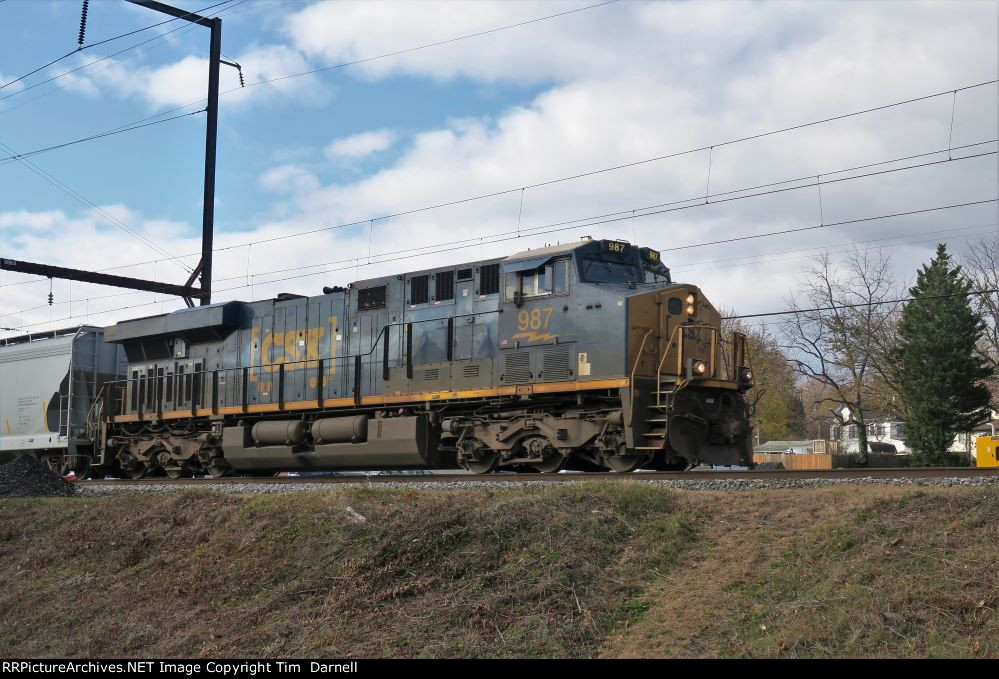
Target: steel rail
{"points": [[512, 477]]}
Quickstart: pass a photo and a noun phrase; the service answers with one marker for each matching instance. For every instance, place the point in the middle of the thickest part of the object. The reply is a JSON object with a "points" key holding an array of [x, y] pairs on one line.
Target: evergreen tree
{"points": [[942, 378]]}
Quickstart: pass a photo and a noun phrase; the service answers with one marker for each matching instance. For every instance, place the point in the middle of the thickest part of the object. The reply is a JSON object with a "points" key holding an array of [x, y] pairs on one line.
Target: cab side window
{"points": [[553, 278]]}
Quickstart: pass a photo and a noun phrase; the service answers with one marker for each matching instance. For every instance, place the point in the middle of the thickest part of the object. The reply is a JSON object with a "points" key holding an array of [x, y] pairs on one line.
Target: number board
{"points": [[651, 255], [614, 246]]}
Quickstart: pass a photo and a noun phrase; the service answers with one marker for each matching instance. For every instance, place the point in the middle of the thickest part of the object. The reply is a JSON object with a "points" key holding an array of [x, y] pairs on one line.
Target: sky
{"points": [[514, 100]]}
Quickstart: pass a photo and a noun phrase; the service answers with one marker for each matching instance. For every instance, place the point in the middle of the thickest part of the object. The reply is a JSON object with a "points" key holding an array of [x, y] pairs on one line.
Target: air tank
{"points": [[340, 430], [282, 433]]}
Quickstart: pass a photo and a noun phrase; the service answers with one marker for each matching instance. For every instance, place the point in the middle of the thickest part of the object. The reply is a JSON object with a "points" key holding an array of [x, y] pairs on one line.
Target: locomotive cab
{"points": [[615, 307]]}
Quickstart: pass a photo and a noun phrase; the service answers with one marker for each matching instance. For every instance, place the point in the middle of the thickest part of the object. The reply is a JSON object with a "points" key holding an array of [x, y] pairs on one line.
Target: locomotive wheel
{"points": [[487, 462], [137, 471], [218, 468], [625, 463], [55, 463], [552, 462], [174, 472]]}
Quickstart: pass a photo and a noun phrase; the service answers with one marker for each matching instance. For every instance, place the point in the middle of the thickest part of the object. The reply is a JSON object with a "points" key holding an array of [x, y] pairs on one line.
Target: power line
{"points": [[769, 257], [95, 44], [597, 220], [181, 29], [296, 75], [429, 45], [556, 227], [581, 175], [784, 312], [697, 266], [628, 214], [73, 193], [117, 130], [836, 307]]}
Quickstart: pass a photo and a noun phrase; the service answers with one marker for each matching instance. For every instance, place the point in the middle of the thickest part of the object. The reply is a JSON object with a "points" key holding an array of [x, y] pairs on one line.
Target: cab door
{"points": [[463, 321]]}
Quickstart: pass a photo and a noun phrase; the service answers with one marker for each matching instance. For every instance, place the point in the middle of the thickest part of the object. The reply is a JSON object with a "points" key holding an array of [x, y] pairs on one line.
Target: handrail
{"points": [[682, 329], [197, 399], [631, 382]]}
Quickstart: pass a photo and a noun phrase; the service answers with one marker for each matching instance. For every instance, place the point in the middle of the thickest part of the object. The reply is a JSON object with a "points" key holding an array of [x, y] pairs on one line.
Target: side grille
{"points": [[556, 365], [431, 374], [470, 370], [419, 289], [517, 367], [489, 279]]}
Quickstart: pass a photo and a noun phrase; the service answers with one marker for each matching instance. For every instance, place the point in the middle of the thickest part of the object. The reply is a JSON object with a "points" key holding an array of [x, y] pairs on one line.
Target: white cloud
{"points": [[186, 81], [631, 81], [360, 145], [289, 179]]}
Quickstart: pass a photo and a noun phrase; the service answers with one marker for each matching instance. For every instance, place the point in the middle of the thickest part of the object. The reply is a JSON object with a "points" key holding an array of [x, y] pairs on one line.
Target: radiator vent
{"points": [[431, 374], [518, 367], [470, 370], [556, 365]]}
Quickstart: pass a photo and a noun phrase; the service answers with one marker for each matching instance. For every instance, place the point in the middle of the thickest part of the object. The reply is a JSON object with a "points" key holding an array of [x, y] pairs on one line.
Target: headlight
{"points": [[700, 367], [690, 309], [690, 299], [745, 375]]}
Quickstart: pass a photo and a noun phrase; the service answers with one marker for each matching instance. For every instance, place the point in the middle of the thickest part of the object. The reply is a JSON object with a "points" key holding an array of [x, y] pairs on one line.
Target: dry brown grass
{"points": [[844, 572], [567, 571], [467, 573]]}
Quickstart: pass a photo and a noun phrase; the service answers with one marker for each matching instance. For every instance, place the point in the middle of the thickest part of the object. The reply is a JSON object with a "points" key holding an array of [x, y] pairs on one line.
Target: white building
{"points": [[884, 431]]}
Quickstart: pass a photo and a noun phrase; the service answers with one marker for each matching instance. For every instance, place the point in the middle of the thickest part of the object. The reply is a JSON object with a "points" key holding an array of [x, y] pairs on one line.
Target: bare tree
{"points": [[774, 402], [981, 265], [843, 332]]}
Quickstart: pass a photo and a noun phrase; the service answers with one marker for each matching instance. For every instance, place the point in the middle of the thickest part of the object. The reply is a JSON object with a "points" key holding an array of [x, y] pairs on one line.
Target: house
{"points": [[786, 447], [886, 434]]}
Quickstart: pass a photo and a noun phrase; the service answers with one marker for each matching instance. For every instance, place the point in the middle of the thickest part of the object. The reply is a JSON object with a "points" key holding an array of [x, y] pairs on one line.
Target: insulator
{"points": [[83, 22], [50, 299], [241, 83]]}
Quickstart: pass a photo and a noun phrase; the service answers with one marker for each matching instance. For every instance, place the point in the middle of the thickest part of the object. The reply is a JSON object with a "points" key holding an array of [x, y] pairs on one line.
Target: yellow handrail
{"points": [[631, 383], [679, 356]]}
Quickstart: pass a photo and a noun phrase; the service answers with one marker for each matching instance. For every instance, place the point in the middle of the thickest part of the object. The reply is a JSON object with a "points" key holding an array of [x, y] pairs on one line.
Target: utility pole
{"points": [[204, 268], [203, 271]]}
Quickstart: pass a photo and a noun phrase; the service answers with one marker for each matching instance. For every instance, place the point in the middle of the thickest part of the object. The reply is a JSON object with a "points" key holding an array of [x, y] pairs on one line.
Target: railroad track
{"points": [[694, 475]]}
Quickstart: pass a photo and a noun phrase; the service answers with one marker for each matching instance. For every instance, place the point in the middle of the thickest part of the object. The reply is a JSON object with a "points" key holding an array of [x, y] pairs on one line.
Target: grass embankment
{"points": [[582, 570], [838, 572], [338, 573]]}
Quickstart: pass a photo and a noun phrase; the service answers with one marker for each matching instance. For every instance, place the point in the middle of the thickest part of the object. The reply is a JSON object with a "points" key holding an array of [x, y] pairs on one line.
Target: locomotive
{"points": [[584, 356]]}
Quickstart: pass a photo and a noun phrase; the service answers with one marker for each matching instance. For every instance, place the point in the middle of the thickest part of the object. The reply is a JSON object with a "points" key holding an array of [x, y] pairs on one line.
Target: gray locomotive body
{"points": [[584, 355]]}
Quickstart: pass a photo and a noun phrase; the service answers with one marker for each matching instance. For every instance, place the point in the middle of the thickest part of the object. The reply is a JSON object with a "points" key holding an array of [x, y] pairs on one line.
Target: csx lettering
{"points": [[293, 346]]}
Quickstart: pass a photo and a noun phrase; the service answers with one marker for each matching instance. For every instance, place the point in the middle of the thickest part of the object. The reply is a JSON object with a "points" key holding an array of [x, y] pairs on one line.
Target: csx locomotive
{"points": [[583, 355]]}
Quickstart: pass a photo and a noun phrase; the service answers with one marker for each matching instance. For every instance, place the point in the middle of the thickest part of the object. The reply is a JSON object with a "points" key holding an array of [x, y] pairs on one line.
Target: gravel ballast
{"points": [[26, 476], [254, 488]]}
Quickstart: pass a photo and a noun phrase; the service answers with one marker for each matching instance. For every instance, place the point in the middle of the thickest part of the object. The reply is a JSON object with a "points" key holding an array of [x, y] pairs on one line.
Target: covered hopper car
{"points": [[49, 384]]}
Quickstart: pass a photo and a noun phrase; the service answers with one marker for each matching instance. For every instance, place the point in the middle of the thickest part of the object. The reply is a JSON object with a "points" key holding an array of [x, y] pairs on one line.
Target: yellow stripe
{"points": [[376, 400]]}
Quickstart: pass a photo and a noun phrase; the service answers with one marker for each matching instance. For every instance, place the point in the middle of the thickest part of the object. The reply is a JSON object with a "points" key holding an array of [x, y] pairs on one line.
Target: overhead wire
{"points": [[973, 230], [357, 262], [180, 30], [96, 209], [835, 307], [584, 174], [95, 44], [605, 218]]}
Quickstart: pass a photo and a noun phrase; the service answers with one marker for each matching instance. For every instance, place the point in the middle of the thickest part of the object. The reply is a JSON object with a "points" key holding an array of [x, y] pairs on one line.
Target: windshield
{"points": [[596, 270], [657, 273]]}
